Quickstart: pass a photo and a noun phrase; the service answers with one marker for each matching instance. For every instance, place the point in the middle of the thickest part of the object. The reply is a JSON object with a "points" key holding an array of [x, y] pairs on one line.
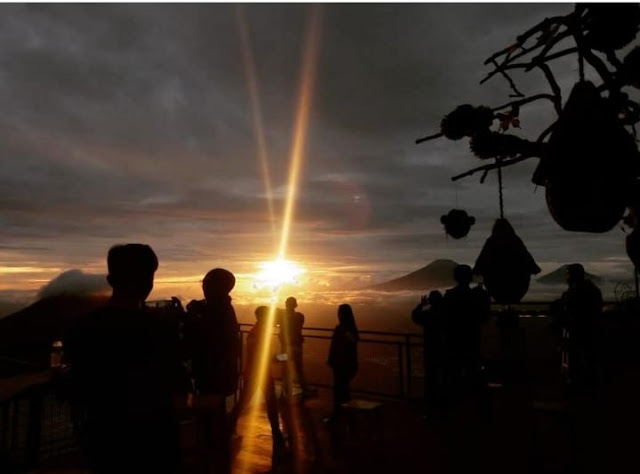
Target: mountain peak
{"points": [[559, 277], [437, 274]]}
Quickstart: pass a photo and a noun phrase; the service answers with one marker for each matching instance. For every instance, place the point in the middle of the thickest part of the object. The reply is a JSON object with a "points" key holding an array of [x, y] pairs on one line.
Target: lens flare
{"points": [[297, 154], [276, 273], [258, 126]]}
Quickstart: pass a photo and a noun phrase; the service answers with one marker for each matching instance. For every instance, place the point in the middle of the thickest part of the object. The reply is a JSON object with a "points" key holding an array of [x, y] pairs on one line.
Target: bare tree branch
{"points": [[526, 100], [492, 166], [559, 54], [430, 137]]}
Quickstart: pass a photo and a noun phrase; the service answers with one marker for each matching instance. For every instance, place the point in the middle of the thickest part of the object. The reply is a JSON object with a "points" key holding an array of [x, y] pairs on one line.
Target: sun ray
{"points": [[296, 158], [258, 125]]}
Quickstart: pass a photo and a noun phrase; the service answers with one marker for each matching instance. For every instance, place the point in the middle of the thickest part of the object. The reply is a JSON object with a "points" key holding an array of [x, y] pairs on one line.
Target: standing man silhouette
{"points": [[214, 337], [125, 370], [582, 304], [465, 311], [291, 341]]}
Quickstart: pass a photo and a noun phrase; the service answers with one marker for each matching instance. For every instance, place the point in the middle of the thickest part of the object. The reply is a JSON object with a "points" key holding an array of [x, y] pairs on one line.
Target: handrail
{"points": [[364, 331]]}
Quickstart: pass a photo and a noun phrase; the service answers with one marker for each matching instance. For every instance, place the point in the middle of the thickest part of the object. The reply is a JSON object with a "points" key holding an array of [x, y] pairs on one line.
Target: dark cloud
{"points": [[130, 123]]}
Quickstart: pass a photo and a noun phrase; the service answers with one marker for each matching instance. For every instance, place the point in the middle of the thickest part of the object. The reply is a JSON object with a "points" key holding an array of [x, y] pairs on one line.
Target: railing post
{"points": [[34, 429], [15, 420], [401, 369], [409, 366]]}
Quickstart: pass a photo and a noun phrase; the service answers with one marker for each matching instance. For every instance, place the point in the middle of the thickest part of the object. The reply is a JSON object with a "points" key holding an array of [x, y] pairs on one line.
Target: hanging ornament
{"points": [[609, 27], [505, 264], [590, 164], [457, 223], [632, 220], [465, 121]]}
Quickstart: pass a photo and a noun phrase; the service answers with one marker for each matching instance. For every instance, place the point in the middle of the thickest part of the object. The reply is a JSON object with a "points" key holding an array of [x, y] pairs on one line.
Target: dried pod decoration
{"points": [[505, 264], [457, 223], [465, 121], [589, 156]]}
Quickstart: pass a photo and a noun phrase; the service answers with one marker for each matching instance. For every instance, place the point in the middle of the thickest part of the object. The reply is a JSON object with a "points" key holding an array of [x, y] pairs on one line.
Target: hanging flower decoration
{"points": [[509, 119], [495, 145]]}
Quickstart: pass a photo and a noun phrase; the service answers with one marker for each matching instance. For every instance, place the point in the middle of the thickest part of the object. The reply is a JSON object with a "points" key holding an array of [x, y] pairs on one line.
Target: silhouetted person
{"points": [[465, 311], [214, 337], [291, 341], [429, 314], [256, 341], [343, 356], [582, 305], [124, 371]]}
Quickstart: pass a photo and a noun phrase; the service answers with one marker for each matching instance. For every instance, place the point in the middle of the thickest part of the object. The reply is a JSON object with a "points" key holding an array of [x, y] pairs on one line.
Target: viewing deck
{"points": [[537, 423]]}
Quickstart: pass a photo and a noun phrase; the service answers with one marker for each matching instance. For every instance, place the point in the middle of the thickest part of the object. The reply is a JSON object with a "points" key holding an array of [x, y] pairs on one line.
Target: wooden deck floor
{"points": [[530, 430]]}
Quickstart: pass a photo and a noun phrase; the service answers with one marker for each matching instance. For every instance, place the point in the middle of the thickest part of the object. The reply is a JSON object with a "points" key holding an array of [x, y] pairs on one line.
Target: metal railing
{"points": [[36, 424], [36, 427], [390, 363]]}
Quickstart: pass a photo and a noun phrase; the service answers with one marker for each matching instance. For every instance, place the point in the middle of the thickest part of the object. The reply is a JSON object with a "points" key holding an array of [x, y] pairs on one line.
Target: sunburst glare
{"points": [[276, 273]]}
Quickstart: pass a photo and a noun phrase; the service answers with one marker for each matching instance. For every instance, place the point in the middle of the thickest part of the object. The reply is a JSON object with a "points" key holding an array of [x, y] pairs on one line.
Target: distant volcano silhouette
{"points": [[27, 334], [438, 274], [559, 277]]}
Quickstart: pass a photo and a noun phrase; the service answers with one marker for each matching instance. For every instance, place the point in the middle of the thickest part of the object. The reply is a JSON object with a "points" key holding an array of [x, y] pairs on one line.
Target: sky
{"points": [[134, 123]]}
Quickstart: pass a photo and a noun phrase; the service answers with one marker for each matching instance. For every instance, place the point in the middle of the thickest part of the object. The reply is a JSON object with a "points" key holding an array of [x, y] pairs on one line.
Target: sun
{"points": [[278, 272]]}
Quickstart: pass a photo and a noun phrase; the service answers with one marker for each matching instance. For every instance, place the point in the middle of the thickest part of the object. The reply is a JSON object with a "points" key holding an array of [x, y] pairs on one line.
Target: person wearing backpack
{"points": [[213, 335]]}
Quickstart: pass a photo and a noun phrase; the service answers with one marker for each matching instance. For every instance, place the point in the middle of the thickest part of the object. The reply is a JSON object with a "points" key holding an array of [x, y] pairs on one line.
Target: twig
{"points": [[492, 166], [555, 88], [559, 37], [430, 137], [613, 59], [521, 102], [546, 132], [510, 81], [551, 57], [546, 23]]}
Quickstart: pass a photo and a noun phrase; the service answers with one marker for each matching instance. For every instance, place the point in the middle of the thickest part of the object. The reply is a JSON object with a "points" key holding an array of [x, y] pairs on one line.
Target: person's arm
{"points": [[331, 360], [418, 315]]}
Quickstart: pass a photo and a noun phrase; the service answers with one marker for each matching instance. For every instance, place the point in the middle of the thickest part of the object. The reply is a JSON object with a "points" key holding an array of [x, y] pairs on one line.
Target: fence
{"points": [[390, 363], [35, 428]]}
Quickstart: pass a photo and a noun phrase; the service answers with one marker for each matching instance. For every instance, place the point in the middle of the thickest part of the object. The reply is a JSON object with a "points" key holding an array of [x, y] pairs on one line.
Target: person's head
{"points": [[502, 228], [261, 313], [462, 274], [291, 303], [346, 318], [131, 269], [575, 274], [435, 298], [217, 284]]}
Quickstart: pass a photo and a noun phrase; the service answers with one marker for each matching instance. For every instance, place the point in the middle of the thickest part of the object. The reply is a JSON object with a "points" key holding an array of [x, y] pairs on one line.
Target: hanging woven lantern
{"points": [[591, 162], [611, 26], [632, 246], [587, 205], [505, 264], [457, 223]]}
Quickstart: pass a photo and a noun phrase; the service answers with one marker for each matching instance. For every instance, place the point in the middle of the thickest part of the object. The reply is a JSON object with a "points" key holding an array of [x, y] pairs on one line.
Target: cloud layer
{"points": [[126, 123]]}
